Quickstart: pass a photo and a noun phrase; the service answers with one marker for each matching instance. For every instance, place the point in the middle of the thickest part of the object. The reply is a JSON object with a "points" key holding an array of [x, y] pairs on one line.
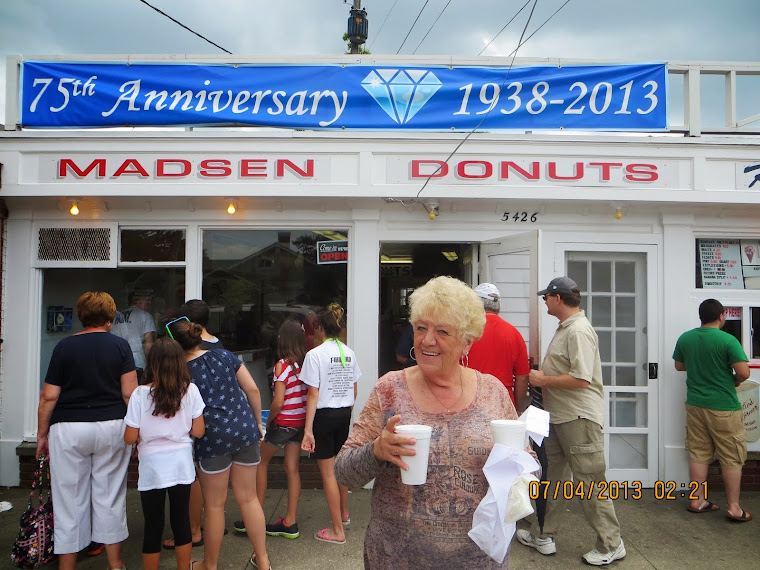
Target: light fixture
{"points": [[618, 214], [432, 209], [231, 208], [450, 255], [74, 210]]}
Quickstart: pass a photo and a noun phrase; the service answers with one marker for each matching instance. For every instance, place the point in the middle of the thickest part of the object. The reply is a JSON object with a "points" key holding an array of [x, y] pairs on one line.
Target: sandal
{"points": [[707, 507], [322, 535], [256, 566], [168, 544], [744, 517]]}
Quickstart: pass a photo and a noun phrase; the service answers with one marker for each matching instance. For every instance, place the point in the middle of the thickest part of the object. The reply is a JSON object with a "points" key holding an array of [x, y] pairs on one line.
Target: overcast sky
{"points": [[626, 30]]}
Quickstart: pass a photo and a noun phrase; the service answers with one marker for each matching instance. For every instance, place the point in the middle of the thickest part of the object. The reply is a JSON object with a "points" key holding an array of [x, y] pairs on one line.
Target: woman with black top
{"points": [[80, 423]]}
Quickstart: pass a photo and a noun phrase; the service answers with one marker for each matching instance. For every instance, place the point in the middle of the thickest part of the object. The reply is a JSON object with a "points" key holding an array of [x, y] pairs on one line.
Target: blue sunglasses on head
{"points": [[166, 326]]}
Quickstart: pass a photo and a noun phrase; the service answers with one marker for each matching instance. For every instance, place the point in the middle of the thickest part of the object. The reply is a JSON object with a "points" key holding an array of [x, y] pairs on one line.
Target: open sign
{"points": [[332, 252]]}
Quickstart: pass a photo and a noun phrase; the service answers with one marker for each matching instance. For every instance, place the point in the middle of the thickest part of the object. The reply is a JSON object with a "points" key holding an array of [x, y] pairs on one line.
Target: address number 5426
{"points": [[519, 217]]}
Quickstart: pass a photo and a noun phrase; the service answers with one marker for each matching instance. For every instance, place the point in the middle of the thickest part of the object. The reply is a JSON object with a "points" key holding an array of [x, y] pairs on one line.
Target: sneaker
{"points": [[280, 529], [545, 546], [95, 548], [238, 526], [596, 558]]}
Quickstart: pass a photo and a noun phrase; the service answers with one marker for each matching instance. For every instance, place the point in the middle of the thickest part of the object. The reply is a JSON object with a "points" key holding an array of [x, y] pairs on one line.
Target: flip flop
{"points": [[744, 517], [322, 535], [256, 566], [347, 522], [707, 507], [167, 546]]}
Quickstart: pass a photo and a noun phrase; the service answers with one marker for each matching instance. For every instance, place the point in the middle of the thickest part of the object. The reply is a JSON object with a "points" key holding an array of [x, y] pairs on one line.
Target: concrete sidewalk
{"points": [[657, 534]]}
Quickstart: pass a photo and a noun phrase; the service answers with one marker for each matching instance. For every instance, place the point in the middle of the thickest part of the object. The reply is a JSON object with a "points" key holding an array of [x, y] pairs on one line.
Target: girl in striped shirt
{"points": [[287, 416]]}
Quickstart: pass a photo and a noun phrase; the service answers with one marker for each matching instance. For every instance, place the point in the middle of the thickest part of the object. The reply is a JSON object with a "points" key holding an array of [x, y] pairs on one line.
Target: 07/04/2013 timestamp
{"points": [[603, 490]]}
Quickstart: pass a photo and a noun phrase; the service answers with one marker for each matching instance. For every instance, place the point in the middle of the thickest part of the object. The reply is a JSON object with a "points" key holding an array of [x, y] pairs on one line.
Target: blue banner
{"points": [[612, 98]]}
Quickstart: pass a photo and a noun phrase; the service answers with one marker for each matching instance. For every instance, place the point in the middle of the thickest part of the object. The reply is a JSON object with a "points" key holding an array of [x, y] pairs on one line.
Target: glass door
{"points": [[614, 287]]}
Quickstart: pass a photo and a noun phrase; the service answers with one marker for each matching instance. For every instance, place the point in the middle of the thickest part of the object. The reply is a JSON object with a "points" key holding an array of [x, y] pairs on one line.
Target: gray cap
{"points": [[559, 285]]}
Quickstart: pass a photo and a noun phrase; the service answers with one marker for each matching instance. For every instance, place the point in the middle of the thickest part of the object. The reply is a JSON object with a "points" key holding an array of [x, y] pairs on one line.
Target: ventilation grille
{"points": [[74, 244]]}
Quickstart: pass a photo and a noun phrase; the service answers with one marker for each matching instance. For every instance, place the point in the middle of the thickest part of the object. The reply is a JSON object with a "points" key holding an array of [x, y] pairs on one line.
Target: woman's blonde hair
{"points": [[447, 300]]}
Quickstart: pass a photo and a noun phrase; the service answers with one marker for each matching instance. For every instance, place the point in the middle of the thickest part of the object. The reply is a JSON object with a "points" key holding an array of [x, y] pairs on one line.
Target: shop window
{"points": [[253, 280], [727, 264], [152, 246], [158, 290], [733, 325]]}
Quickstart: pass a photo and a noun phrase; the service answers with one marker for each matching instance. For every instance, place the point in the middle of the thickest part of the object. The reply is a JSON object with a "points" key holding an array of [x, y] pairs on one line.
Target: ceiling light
{"points": [[231, 208], [74, 210], [450, 255]]}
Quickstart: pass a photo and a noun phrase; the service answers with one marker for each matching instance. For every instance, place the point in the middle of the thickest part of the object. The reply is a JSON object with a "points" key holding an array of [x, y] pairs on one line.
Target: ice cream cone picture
{"points": [[749, 251]]}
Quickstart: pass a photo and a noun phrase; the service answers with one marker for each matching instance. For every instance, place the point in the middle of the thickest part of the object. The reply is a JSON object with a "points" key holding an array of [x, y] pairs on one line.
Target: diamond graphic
{"points": [[401, 92]]}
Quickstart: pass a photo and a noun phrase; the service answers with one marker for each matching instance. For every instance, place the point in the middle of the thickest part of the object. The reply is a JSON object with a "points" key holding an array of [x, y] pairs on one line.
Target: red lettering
{"points": [[605, 166], [67, 164], [162, 163], [334, 256], [535, 174], [641, 172], [486, 173], [552, 172], [443, 169], [283, 162], [131, 166], [253, 168], [209, 166]]}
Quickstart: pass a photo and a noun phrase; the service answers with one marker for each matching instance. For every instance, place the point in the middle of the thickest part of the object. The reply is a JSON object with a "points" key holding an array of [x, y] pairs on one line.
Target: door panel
{"points": [[511, 263], [617, 292]]}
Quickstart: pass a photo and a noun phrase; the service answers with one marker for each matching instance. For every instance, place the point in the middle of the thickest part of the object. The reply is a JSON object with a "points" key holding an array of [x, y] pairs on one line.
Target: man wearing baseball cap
{"points": [[571, 382], [501, 350]]}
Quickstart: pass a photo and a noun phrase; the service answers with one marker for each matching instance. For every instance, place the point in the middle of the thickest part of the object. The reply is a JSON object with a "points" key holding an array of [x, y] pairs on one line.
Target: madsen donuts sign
{"points": [[398, 170]]}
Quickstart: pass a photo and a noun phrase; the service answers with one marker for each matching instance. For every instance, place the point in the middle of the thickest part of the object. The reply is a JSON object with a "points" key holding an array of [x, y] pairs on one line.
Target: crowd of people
{"points": [[196, 418]]}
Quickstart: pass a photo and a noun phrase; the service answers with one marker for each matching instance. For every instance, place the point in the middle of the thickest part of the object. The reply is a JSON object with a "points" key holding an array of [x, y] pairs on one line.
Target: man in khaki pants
{"points": [[571, 381]]}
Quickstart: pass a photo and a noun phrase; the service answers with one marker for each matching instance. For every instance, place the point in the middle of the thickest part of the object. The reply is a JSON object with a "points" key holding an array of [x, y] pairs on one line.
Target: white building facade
{"points": [[649, 226]]}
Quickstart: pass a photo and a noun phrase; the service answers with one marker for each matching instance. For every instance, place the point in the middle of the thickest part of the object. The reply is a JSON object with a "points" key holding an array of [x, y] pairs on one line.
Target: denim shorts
{"points": [[248, 456], [278, 435]]}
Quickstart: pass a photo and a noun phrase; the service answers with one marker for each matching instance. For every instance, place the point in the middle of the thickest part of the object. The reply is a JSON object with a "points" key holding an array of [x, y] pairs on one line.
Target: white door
{"points": [[616, 295], [511, 263]]}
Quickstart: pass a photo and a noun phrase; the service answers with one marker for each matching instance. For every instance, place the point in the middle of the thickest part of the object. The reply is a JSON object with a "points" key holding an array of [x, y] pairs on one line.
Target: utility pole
{"points": [[357, 6]]}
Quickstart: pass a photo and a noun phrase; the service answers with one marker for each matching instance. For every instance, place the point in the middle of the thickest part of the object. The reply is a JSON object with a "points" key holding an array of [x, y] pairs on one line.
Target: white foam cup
{"points": [[509, 432], [418, 463]]}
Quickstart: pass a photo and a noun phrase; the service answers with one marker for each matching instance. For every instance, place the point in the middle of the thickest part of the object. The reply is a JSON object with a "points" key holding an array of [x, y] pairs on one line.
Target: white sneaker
{"points": [[545, 546], [596, 558]]}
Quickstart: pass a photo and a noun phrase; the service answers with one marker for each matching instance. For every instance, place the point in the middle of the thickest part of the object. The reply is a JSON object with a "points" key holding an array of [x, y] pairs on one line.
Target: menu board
{"points": [[721, 263]]}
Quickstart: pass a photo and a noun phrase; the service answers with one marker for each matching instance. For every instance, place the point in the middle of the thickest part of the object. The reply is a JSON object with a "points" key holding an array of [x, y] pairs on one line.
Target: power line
{"points": [[539, 27], [506, 76], [431, 27], [414, 24], [184, 26], [504, 28], [382, 25]]}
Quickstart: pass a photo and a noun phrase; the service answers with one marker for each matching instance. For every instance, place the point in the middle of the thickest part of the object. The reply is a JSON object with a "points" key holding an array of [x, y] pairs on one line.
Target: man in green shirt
{"points": [[715, 364]]}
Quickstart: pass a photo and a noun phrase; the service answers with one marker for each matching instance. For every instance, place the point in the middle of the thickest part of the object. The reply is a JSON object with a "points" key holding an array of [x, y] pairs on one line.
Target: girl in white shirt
{"points": [[330, 371], [165, 414]]}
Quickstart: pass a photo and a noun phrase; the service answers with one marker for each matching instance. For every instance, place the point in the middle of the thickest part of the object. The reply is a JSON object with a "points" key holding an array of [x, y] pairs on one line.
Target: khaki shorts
{"points": [[711, 433]]}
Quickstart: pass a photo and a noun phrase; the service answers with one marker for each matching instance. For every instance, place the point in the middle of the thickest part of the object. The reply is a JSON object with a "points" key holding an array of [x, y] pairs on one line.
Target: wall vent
{"points": [[76, 247]]}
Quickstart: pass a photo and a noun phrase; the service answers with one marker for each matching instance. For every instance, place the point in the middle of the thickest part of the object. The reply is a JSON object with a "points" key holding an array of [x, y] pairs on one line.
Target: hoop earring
{"points": [[411, 350], [465, 360]]}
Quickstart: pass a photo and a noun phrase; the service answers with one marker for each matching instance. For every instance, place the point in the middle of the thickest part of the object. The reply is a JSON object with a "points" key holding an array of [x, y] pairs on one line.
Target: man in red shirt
{"points": [[501, 350]]}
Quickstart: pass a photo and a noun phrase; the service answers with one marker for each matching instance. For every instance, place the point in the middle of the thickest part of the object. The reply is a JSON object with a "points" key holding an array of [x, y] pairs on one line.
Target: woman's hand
{"points": [[389, 446], [42, 446]]}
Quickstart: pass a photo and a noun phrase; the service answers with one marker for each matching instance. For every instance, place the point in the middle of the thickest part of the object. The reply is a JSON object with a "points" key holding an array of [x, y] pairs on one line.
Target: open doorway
{"points": [[404, 266]]}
